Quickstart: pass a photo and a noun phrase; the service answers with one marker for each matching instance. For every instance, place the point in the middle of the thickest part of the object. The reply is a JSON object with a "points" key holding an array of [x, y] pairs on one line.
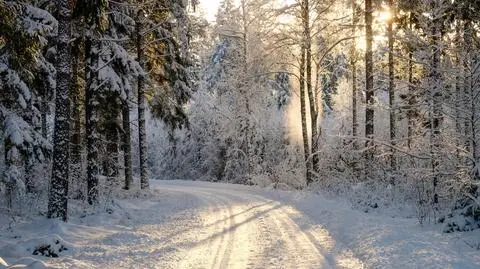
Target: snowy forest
{"points": [[373, 101]]}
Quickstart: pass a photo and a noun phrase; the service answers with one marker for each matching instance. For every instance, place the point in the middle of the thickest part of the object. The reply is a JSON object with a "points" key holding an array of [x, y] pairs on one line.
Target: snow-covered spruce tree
{"points": [[282, 89], [124, 70], [93, 13], [162, 48], [24, 29], [111, 72]]}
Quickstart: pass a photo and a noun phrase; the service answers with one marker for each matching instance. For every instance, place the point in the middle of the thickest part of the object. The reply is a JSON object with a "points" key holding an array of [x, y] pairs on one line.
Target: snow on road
{"points": [[184, 224]]}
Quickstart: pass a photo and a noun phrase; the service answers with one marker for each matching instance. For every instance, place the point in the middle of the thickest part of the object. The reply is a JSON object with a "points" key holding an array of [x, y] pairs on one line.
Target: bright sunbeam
{"points": [[384, 16], [210, 8]]}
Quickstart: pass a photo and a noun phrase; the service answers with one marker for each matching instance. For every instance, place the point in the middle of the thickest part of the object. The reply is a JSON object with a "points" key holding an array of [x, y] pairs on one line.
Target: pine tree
{"points": [[24, 30], [369, 90], [391, 86], [142, 136], [58, 198]]}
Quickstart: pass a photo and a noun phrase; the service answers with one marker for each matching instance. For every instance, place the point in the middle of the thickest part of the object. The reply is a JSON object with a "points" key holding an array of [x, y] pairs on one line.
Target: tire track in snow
{"points": [[285, 245], [214, 248], [246, 230]]}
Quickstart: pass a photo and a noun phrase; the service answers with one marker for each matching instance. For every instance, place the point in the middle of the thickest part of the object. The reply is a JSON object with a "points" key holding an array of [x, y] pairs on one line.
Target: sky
{"points": [[210, 8]]}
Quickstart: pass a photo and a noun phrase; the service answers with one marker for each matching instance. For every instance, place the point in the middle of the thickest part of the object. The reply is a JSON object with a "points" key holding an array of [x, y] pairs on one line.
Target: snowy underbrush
{"points": [[372, 196], [27, 244], [20, 206], [27, 239], [465, 216]]}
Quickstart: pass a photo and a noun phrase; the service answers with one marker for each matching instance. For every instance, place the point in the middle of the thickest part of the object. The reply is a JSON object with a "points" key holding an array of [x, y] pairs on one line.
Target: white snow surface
{"points": [[187, 224]]}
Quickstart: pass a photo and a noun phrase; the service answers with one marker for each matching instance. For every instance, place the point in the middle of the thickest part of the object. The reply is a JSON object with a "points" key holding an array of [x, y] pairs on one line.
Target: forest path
{"points": [[244, 230]]}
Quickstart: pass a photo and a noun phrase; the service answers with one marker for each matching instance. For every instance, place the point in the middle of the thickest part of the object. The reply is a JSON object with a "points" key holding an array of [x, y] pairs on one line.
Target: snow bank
{"points": [[51, 246], [26, 262]]}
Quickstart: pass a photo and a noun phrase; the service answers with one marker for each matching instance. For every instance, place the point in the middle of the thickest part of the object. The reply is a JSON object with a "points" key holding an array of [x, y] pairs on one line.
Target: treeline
{"points": [[93, 68], [385, 93]]}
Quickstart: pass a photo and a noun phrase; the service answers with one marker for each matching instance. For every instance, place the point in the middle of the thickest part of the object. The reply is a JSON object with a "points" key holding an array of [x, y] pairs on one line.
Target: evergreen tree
{"points": [[58, 197], [24, 30]]}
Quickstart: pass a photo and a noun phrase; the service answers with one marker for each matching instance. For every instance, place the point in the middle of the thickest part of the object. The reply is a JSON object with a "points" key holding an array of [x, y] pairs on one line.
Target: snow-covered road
{"points": [[244, 230], [184, 224]]}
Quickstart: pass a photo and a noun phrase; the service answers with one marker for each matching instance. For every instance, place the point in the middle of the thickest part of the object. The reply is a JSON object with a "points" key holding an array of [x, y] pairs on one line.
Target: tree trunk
{"points": [[467, 89], [58, 195], [92, 46], [43, 113], [303, 112], [112, 137], [27, 158], [369, 91], [458, 88], [391, 90], [127, 145], [353, 63], [435, 104], [244, 90], [76, 146], [142, 136], [78, 55], [411, 98], [308, 66]]}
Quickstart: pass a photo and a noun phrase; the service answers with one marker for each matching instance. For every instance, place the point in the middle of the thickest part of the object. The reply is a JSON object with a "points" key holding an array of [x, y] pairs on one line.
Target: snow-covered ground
{"points": [[184, 224]]}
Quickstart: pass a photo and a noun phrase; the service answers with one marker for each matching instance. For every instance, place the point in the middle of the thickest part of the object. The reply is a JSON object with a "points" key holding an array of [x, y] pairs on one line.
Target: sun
{"points": [[384, 16]]}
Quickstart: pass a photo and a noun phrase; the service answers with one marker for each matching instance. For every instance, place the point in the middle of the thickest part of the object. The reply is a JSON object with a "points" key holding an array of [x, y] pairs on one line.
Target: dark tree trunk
{"points": [[76, 145], [76, 134], [467, 87], [58, 195], [369, 90], [435, 103], [248, 131], [28, 160], [111, 115], [353, 63], [127, 145], [458, 87], [142, 137], [411, 99], [43, 113], [92, 46], [391, 90]]}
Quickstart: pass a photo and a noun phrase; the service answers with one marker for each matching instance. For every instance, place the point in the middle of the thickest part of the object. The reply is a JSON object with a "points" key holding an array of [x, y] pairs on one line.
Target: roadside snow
{"points": [[185, 224]]}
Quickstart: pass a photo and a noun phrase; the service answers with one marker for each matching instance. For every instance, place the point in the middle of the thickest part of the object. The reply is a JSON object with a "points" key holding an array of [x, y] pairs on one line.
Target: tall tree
{"points": [[142, 136], [58, 196], [369, 90], [435, 97], [307, 35], [303, 113], [391, 86], [93, 12], [24, 31], [353, 64], [127, 145]]}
